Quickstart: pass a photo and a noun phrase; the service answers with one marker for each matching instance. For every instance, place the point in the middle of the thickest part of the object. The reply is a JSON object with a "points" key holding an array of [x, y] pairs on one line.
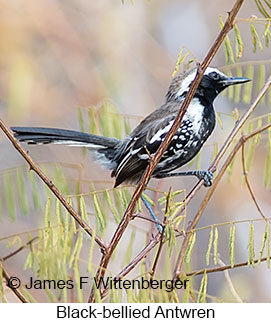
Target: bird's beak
{"points": [[234, 80]]}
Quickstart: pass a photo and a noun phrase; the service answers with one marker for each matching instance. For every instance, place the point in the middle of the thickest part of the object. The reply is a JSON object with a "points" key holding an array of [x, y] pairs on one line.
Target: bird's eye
{"points": [[215, 76]]}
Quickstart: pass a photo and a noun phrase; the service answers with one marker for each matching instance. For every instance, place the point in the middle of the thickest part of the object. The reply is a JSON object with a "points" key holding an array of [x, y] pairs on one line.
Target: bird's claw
{"points": [[207, 176]]}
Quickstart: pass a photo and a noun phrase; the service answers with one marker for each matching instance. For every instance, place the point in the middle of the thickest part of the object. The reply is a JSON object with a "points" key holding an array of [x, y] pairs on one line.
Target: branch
{"points": [[18, 250], [154, 161], [52, 187], [143, 253], [223, 268], [16, 291], [229, 282], [248, 184]]}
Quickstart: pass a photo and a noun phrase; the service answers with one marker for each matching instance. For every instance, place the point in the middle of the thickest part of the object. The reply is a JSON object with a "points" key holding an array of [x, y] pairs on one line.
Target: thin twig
{"points": [[223, 268], [248, 184], [142, 254], [52, 187], [139, 216], [19, 249], [158, 254], [15, 291], [156, 158], [229, 282]]}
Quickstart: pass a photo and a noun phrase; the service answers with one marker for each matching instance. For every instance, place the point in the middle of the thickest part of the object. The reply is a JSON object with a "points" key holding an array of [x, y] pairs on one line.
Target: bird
{"points": [[128, 158]]}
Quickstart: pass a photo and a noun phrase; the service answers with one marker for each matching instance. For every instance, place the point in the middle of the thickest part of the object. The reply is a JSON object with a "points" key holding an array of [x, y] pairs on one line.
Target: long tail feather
{"points": [[103, 148], [35, 135]]}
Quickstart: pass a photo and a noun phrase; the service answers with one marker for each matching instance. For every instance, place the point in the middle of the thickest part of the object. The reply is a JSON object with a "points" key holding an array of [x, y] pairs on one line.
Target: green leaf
{"points": [[51, 296], [258, 136], [110, 121], [237, 88], [230, 89], [97, 295], [93, 121], [170, 235], [239, 45], [2, 296], [190, 246], [61, 180], [83, 209], [261, 81], [232, 244], [263, 243], [98, 213], [148, 199], [227, 45], [60, 220], [251, 251], [128, 254], [77, 275], [187, 292], [267, 33], [250, 154], [218, 118], [247, 88], [216, 246], [35, 194], [211, 235], [47, 217], [76, 250], [255, 38], [112, 207], [262, 9], [21, 191], [9, 192], [81, 120], [90, 256], [203, 289], [127, 127], [180, 60], [215, 150]]}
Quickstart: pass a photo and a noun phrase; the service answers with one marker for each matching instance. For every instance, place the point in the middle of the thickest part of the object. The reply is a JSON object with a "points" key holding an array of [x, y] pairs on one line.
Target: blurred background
{"points": [[57, 56]]}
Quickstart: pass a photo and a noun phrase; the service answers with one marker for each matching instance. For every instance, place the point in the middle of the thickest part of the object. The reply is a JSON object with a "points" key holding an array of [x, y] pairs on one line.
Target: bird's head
{"points": [[212, 83]]}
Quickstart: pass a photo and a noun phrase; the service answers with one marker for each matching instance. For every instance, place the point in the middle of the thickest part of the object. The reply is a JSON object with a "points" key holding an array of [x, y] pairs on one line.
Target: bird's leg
{"points": [[148, 206], [206, 175]]}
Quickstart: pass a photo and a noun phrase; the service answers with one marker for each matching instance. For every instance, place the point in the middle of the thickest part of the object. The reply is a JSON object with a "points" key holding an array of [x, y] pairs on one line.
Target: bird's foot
{"points": [[206, 175]]}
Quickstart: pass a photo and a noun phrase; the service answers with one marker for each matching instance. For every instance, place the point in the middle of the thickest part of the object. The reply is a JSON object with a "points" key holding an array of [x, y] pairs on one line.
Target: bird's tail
{"points": [[104, 148]]}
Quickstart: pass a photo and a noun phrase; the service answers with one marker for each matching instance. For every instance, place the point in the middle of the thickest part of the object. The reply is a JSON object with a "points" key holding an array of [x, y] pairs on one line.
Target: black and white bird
{"points": [[127, 159]]}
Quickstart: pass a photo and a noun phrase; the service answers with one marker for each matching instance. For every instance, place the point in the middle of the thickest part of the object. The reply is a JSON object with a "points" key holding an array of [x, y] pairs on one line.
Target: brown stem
{"points": [[143, 253], [248, 184], [139, 216], [223, 268], [15, 291], [19, 249], [52, 187]]}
